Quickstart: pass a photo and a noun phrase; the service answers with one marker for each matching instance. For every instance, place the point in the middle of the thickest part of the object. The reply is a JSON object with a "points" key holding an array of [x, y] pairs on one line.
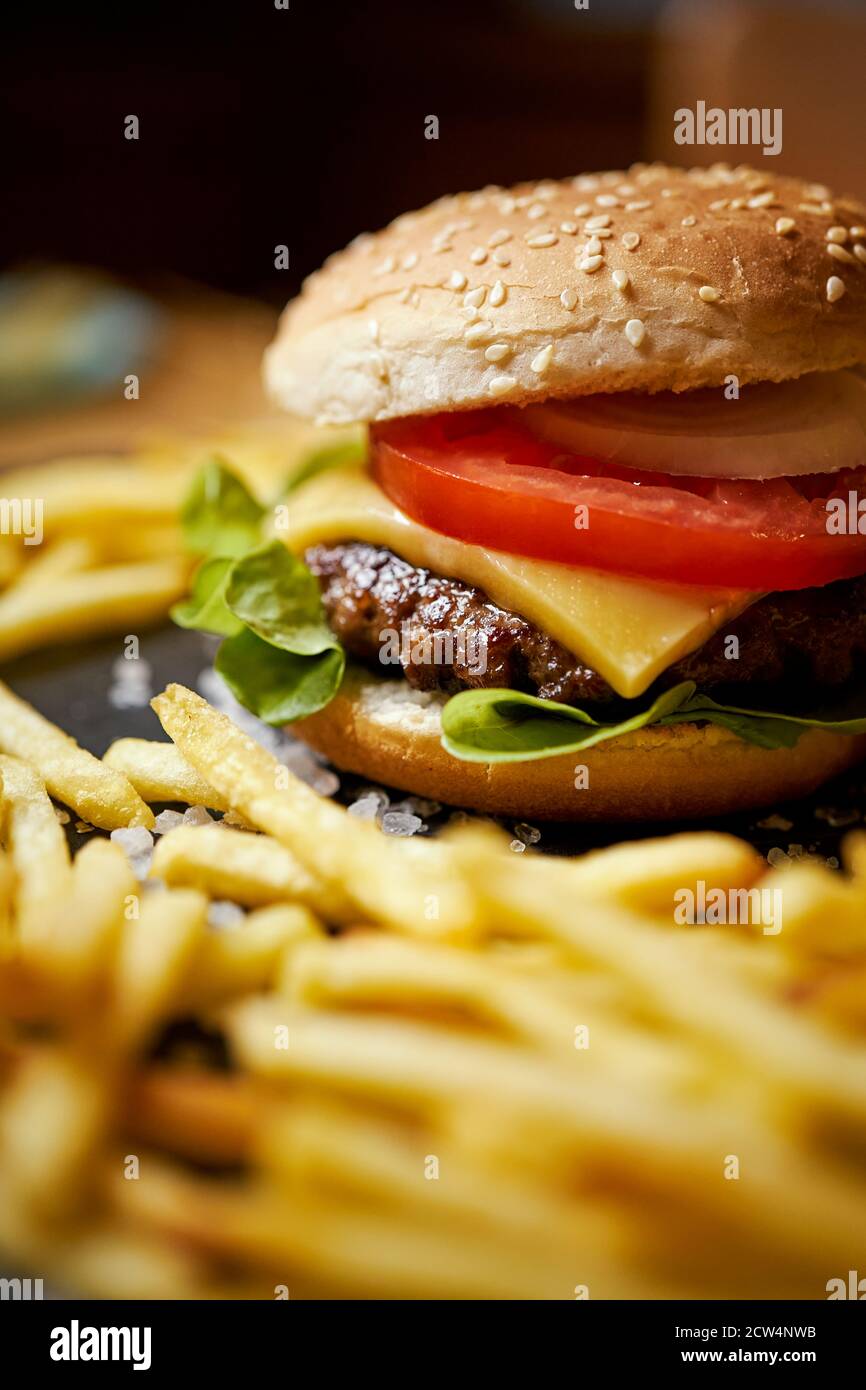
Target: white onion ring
{"points": [[816, 424]]}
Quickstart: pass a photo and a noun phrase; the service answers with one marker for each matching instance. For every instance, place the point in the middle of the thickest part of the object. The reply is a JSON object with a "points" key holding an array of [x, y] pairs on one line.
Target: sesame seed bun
{"points": [[504, 295], [390, 733]]}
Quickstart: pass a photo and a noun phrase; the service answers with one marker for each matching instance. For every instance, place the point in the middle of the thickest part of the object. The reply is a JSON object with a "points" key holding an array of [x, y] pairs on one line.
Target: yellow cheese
{"points": [[628, 630]]}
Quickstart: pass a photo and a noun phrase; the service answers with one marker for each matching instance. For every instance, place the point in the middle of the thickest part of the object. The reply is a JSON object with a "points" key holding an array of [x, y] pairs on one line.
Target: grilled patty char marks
{"points": [[814, 637]]}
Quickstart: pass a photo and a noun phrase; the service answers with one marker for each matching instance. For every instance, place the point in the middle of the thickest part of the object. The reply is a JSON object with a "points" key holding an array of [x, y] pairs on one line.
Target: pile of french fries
{"points": [[410, 1067], [101, 549]]}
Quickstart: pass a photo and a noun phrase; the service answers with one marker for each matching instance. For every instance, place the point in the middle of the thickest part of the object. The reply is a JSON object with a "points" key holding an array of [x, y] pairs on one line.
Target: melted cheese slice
{"points": [[626, 629]]}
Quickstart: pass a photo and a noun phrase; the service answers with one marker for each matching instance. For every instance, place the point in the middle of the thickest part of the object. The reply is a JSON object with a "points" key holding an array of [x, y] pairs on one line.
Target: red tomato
{"points": [[483, 478]]}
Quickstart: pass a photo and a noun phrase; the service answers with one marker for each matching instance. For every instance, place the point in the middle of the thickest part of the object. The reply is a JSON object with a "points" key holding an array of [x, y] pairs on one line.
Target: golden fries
{"points": [[159, 772], [545, 1089], [99, 794], [89, 602]]}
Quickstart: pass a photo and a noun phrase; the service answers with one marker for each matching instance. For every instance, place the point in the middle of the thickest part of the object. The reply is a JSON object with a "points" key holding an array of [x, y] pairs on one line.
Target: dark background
{"points": [[261, 126]]}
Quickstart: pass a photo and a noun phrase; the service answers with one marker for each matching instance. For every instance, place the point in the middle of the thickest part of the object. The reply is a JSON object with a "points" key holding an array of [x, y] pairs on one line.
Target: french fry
{"points": [[36, 843], [405, 888], [99, 794], [107, 599], [245, 959], [155, 952], [159, 772], [54, 562], [253, 870], [74, 949]]}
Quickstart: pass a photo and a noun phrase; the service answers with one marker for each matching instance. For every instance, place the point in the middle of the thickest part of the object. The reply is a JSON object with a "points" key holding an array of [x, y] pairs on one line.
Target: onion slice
{"points": [[816, 424]]}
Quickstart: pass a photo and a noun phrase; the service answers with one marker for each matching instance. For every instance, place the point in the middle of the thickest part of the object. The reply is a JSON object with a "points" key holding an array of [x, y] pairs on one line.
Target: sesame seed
{"points": [[457, 280], [542, 360], [593, 247], [620, 280], [785, 225], [631, 240], [583, 210], [667, 192], [373, 329], [837, 234], [600, 220], [737, 204], [497, 294], [860, 252], [386, 267], [568, 299], [439, 246], [478, 256], [718, 205], [497, 352], [708, 294], [501, 257], [403, 296], [639, 206], [607, 200], [499, 238], [810, 207], [635, 332], [603, 233], [471, 315], [763, 200], [409, 261], [478, 332], [501, 385], [569, 228], [543, 239], [625, 190], [590, 263], [839, 253], [835, 288], [856, 232], [537, 210], [688, 221], [475, 298]]}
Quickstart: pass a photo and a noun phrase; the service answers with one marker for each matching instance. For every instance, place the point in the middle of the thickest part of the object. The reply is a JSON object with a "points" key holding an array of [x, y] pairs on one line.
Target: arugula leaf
{"points": [[506, 726], [278, 686], [206, 609], [350, 453], [271, 591], [509, 726], [220, 516]]}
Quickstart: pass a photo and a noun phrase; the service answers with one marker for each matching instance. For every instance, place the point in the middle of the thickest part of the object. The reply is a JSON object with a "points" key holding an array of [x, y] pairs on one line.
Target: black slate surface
{"points": [[70, 684]]}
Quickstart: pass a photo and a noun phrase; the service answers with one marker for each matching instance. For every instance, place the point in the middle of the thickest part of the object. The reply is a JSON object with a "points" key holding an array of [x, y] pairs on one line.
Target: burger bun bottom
{"points": [[388, 732]]}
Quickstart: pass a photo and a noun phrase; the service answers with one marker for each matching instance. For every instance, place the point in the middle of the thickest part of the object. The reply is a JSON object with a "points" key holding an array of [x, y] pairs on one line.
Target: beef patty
{"points": [[808, 639]]}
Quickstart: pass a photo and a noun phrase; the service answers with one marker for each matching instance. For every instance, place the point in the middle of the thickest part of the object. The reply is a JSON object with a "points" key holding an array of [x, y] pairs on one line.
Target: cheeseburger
{"points": [[605, 556]]}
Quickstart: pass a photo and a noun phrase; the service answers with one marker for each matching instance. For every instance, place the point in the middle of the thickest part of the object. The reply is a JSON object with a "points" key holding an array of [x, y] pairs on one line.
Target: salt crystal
{"points": [[62, 816], [166, 821], [836, 817], [400, 823], [326, 783], [197, 815], [366, 808], [131, 686], [137, 845], [529, 834], [775, 822], [224, 914], [518, 846], [777, 857]]}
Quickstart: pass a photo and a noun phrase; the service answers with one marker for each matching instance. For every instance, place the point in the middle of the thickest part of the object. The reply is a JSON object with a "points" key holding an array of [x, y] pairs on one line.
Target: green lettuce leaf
{"points": [[220, 516], [508, 726], [278, 686], [272, 592], [350, 453], [206, 609]]}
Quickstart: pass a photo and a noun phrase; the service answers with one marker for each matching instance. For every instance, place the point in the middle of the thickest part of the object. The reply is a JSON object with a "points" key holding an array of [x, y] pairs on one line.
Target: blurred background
{"points": [[301, 126]]}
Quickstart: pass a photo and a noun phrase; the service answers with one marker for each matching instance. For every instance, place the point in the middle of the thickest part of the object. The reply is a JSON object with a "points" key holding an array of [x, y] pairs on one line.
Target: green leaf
{"points": [[506, 726], [278, 686], [206, 609], [220, 516], [273, 592], [350, 453]]}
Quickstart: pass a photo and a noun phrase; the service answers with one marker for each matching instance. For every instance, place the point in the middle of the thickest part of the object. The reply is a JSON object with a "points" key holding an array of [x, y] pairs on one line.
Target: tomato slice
{"points": [[482, 477]]}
